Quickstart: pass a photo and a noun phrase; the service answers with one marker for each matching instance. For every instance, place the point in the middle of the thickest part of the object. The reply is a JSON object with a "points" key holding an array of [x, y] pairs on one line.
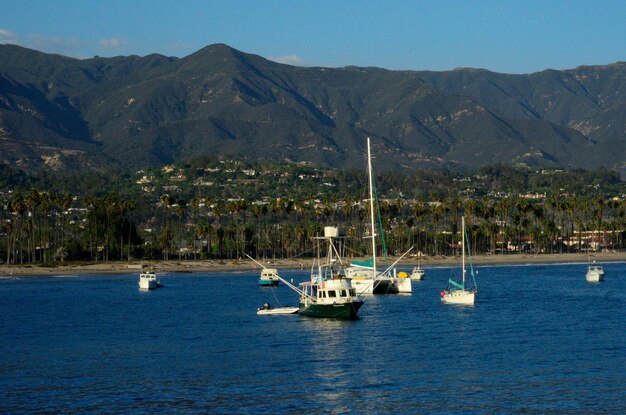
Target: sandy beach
{"points": [[248, 265]]}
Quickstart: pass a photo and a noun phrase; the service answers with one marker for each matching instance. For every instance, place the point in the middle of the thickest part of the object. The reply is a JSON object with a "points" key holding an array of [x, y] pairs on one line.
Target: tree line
{"points": [[49, 226]]}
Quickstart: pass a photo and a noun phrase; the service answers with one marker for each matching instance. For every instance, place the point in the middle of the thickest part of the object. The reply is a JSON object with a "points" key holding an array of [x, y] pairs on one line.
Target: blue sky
{"points": [[504, 36]]}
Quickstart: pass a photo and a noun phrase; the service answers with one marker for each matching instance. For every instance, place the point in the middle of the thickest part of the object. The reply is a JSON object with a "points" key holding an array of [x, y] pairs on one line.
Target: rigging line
{"points": [[354, 251], [301, 254]]}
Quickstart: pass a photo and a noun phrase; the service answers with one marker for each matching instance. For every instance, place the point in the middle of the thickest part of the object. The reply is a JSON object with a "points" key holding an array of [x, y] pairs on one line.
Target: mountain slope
{"points": [[134, 111]]}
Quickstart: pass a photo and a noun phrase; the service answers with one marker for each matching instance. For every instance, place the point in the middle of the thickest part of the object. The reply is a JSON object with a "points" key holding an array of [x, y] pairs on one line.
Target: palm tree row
{"points": [[44, 226]]}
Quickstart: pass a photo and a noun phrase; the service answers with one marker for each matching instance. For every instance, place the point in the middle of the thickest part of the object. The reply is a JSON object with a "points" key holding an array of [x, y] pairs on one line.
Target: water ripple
{"points": [[539, 340]]}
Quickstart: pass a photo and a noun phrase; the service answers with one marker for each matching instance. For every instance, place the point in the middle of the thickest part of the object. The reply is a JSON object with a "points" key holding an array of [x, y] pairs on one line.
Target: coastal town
{"points": [[221, 209]]}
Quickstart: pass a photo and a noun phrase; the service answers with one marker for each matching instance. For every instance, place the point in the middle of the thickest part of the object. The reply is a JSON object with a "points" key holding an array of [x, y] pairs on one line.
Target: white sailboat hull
{"points": [[458, 297], [382, 285], [404, 285], [363, 285]]}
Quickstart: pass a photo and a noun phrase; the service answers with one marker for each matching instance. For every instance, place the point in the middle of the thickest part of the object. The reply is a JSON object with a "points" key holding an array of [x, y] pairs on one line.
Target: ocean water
{"points": [[539, 340]]}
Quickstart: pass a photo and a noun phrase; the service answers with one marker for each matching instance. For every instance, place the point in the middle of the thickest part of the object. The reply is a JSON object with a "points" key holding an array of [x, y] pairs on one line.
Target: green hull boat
{"points": [[346, 311]]}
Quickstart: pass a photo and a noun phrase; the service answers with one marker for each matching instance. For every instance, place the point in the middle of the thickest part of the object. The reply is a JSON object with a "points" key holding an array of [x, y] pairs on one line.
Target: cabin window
{"points": [[342, 293], [332, 293], [352, 292]]}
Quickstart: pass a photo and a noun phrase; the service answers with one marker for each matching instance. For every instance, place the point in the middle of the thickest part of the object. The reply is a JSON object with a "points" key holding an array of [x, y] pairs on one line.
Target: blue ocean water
{"points": [[540, 339]]}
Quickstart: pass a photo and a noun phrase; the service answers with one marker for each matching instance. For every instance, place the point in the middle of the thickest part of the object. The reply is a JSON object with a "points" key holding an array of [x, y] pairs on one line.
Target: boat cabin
{"points": [[332, 291]]}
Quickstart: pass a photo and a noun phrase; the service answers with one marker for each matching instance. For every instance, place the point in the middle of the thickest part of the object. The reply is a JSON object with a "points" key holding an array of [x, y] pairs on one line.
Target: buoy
{"points": [[443, 293]]}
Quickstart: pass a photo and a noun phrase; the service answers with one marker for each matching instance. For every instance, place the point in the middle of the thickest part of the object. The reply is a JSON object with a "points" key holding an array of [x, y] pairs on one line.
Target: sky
{"points": [[521, 36]]}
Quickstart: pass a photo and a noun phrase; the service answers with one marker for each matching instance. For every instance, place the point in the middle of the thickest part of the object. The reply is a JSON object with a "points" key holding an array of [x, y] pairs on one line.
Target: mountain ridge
{"points": [[130, 112]]}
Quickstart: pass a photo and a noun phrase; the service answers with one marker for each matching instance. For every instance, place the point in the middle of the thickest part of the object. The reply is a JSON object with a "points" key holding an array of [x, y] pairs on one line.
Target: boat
{"points": [[148, 280], [364, 274], [269, 277], [418, 273], [595, 272], [459, 292], [329, 294], [267, 309]]}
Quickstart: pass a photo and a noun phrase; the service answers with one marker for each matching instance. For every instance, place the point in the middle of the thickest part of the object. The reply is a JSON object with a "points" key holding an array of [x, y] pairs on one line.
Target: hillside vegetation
{"points": [[129, 112]]}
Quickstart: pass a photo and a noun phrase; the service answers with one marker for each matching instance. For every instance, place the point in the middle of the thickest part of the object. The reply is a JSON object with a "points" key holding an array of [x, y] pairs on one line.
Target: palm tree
{"points": [[180, 212]]}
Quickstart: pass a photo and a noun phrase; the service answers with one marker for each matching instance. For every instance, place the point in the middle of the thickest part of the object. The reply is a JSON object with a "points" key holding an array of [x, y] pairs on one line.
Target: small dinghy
{"points": [[268, 309]]}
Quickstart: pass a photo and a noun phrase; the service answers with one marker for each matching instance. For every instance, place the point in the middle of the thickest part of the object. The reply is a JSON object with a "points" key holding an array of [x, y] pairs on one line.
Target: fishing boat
{"points": [[269, 277], [458, 292], [148, 280], [329, 294], [595, 272], [365, 277]]}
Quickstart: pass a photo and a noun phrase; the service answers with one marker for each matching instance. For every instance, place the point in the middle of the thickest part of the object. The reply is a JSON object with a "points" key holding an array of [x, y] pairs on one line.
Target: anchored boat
{"points": [[458, 292], [267, 309], [595, 272], [148, 280], [269, 277], [364, 275], [328, 293]]}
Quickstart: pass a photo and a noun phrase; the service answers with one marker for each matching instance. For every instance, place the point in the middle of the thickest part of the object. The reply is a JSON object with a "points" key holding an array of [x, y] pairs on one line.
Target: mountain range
{"points": [[128, 112]]}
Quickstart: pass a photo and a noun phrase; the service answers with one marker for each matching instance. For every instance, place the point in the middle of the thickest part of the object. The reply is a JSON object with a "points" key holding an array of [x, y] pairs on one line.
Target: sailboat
{"points": [[458, 292], [364, 275], [328, 293]]}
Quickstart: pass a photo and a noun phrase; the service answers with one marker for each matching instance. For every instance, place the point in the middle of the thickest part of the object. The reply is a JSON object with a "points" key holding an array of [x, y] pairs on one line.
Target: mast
{"points": [[463, 247], [373, 236]]}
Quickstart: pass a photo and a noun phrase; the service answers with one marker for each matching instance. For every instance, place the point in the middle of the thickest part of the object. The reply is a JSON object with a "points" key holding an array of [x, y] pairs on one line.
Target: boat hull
{"points": [[268, 283], [346, 311], [403, 285], [278, 311], [594, 276], [418, 274], [145, 284], [459, 297], [382, 285]]}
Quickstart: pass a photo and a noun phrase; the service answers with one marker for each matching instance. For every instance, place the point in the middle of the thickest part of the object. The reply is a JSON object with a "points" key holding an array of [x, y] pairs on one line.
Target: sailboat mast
{"points": [[463, 247], [373, 235]]}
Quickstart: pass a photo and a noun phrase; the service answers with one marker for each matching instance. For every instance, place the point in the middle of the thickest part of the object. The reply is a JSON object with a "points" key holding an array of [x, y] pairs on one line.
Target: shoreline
{"points": [[184, 266]]}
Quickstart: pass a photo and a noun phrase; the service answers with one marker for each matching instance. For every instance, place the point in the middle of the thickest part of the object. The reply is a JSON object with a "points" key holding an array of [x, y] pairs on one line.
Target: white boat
{"points": [[269, 277], [418, 273], [364, 275], [458, 292], [148, 280], [267, 309], [595, 272]]}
